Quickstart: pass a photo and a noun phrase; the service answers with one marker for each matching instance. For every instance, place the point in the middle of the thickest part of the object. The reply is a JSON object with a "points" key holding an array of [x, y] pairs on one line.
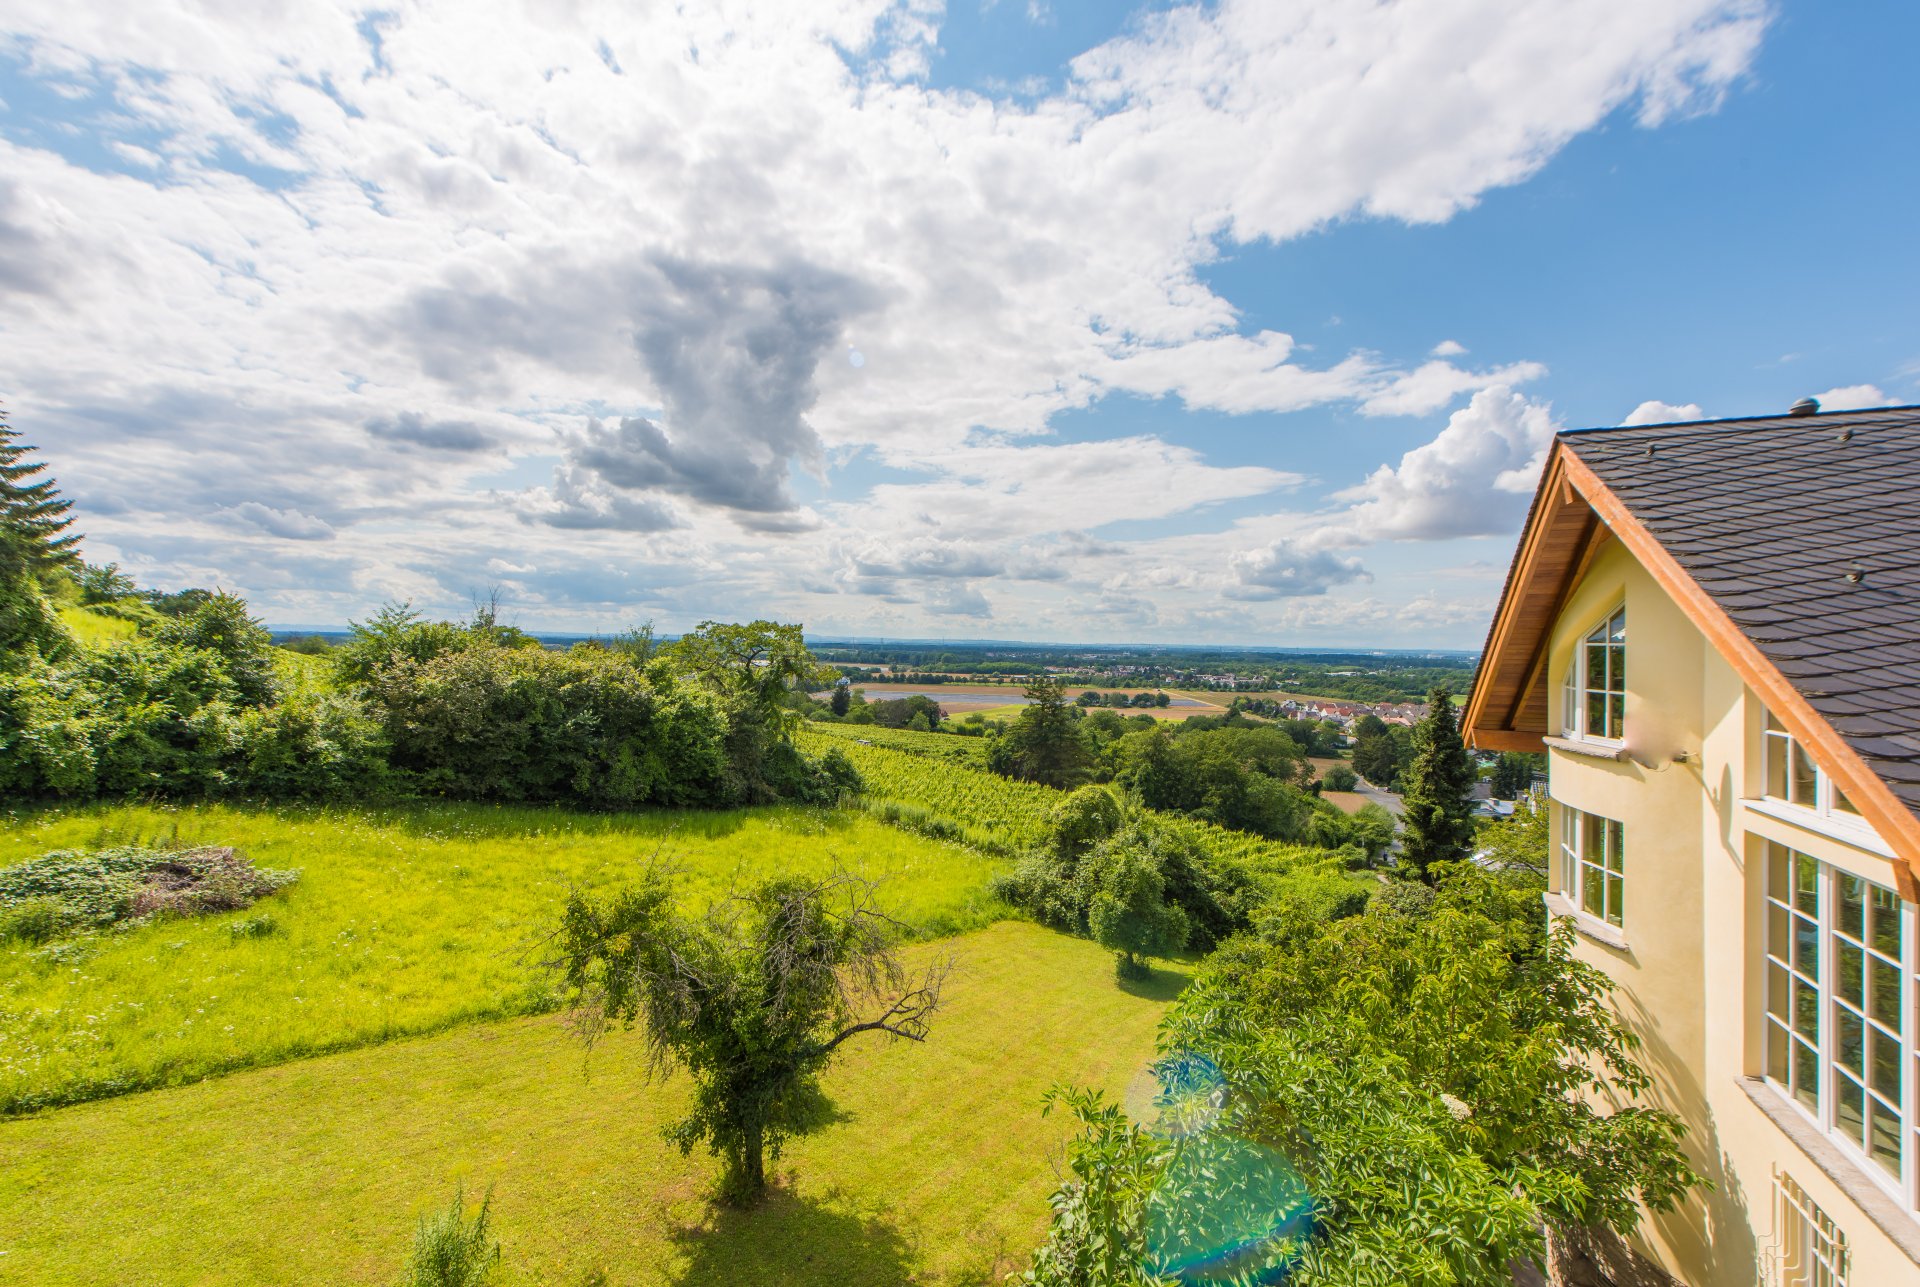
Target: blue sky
{"points": [[1234, 323]]}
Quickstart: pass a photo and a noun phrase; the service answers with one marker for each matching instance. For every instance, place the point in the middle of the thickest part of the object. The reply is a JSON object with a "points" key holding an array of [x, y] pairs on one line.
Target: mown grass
{"points": [[934, 1169], [405, 920]]}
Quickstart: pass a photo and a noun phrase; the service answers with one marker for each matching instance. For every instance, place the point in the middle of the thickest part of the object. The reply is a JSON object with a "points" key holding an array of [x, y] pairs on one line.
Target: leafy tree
{"points": [[1340, 777], [1382, 758], [1129, 912], [1513, 774], [752, 999], [1084, 819], [1439, 824], [223, 626], [1368, 726], [34, 518], [1519, 844], [1043, 745], [756, 662], [1442, 1072]]}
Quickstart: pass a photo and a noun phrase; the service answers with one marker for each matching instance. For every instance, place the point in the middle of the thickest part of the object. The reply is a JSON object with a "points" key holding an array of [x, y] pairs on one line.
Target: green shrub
{"points": [[450, 1250], [32, 920], [1085, 818], [1412, 898], [1340, 777]]}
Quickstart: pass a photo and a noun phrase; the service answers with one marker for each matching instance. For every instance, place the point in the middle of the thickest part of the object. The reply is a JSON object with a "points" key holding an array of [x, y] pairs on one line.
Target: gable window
{"points": [[1592, 867], [1840, 961], [1594, 699], [1793, 777]]}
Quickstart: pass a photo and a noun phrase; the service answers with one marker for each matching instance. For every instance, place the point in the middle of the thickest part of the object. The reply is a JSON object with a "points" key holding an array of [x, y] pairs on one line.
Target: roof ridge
{"points": [[1818, 416]]}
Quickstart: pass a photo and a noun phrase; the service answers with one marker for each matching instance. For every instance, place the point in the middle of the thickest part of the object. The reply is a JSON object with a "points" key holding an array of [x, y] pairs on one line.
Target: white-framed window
{"points": [[1840, 993], [1592, 865], [1809, 1249], [1794, 778], [1593, 701]]}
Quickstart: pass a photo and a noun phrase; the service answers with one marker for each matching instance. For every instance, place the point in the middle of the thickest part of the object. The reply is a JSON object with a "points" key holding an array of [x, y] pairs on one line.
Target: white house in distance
{"points": [[1713, 630]]}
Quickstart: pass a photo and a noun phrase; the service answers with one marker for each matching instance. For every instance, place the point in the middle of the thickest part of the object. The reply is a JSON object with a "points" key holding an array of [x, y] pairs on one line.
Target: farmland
{"points": [[1004, 701]]}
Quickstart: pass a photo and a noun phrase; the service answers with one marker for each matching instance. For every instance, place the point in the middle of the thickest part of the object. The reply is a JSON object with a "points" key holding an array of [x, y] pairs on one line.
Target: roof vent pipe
{"points": [[1804, 407]]}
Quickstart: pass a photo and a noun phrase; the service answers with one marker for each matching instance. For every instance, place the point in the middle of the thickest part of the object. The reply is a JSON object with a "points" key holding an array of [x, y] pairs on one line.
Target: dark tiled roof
{"points": [[1769, 517]]}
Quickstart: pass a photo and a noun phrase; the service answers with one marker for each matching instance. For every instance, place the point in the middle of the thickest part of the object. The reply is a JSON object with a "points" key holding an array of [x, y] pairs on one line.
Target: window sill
{"points": [[1586, 925], [1880, 1207], [1860, 836], [1588, 747]]}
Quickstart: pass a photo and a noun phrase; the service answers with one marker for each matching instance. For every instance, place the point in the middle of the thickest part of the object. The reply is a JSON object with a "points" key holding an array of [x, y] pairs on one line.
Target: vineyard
{"points": [[913, 782], [960, 749]]}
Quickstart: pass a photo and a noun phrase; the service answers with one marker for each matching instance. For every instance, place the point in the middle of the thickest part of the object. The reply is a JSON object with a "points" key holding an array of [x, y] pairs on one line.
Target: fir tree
{"points": [[1438, 826], [34, 516]]}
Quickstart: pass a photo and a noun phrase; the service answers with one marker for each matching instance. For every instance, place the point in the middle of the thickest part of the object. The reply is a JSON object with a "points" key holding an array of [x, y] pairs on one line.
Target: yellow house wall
{"points": [[1689, 976]]}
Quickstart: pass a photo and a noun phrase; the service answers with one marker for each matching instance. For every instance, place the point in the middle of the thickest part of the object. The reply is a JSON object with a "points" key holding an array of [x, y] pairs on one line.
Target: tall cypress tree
{"points": [[1438, 826], [34, 517]]}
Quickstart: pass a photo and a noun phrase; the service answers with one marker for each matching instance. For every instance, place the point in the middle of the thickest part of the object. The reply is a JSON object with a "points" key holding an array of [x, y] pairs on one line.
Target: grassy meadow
{"points": [[405, 920], [934, 1167]]}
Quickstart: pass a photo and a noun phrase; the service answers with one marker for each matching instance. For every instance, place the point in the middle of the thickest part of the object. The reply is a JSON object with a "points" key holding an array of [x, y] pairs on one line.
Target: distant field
{"points": [[934, 1169], [1004, 700], [405, 920]]}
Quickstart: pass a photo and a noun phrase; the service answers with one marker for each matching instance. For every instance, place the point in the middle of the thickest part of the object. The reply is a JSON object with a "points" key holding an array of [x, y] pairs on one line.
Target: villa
{"points": [[1713, 630]]}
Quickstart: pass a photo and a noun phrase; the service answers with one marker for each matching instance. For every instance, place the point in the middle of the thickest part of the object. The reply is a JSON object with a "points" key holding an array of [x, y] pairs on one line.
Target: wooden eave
{"points": [[1573, 514]]}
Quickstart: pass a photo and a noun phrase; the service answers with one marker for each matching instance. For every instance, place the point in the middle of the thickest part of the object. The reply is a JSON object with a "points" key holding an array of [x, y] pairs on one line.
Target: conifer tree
{"points": [[1438, 826], [34, 517]]}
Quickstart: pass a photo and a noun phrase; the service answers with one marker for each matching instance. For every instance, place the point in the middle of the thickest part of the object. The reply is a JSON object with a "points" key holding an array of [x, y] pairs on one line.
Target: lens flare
{"points": [[1228, 1208]]}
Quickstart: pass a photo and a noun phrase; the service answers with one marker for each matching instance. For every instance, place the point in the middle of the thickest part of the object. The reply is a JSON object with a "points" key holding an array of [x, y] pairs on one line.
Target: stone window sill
{"points": [[1880, 1207], [1591, 927], [1591, 750]]}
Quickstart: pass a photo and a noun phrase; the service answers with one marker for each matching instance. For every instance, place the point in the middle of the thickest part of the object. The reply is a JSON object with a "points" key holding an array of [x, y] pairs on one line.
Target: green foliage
{"points": [[68, 891], [449, 1250], [1439, 1080], [1129, 912], [1403, 898], [1085, 818], [1237, 777], [1340, 777], [34, 518], [1098, 1237], [1517, 846], [1513, 774], [1382, 756], [968, 751], [223, 627], [752, 1000], [755, 663], [1438, 825], [1043, 745]]}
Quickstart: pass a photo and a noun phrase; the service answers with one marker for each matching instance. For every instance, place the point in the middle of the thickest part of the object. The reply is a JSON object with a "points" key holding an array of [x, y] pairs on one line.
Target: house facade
{"points": [[1713, 630]]}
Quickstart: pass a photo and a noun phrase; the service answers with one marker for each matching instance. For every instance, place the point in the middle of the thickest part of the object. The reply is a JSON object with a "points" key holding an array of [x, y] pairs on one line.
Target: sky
{"points": [[1240, 323]]}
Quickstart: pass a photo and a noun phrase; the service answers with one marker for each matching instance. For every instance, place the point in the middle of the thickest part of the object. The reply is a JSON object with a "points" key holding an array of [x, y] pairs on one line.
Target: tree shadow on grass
{"points": [[1156, 984], [792, 1241]]}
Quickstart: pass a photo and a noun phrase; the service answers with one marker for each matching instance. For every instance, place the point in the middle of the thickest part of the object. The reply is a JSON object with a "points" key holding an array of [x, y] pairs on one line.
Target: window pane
{"points": [[1780, 871], [1616, 889], [1884, 993], [1616, 847], [1616, 716], [1777, 1055], [1806, 884], [1777, 751], [1777, 917], [1806, 947], [1843, 805], [1883, 1143], [1805, 777], [1617, 628], [1884, 933], [1884, 1065], [1617, 669], [1596, 668], [1806, 1075], [1592, 895], [1806, 1010], [1777, 991], [1850, 916], [1850, 1110], [1597, 714], [1849, 979], [1849, 1042]]}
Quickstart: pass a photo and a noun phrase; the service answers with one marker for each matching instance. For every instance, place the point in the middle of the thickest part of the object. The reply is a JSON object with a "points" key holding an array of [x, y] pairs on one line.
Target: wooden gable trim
{"points": [[1896, 823]]}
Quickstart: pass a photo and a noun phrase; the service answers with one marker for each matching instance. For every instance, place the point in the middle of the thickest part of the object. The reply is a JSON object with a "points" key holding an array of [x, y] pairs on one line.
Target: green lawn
{"points": [[406, 920], [934, 1171]]}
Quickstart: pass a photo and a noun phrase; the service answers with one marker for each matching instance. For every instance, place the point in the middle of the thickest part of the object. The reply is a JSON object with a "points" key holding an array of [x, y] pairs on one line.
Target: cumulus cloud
{"points": [[559, 231], [288, 523], [959, 600], [1291, 570], [1653, 412], [1474, 479], [1850, 397], [1449, 348]]}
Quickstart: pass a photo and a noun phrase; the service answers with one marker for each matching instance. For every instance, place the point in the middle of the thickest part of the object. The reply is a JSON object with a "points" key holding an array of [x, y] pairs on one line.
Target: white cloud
{"points": [[1449, 348], [1290, 570], [1653, 412], [1474, 479], [499, 225], [1849, 397]]}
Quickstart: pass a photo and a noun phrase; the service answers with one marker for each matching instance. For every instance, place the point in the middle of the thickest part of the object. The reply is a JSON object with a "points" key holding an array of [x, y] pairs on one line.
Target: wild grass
{"points": [[95, 629], [405, 920], [934, 1166]]}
